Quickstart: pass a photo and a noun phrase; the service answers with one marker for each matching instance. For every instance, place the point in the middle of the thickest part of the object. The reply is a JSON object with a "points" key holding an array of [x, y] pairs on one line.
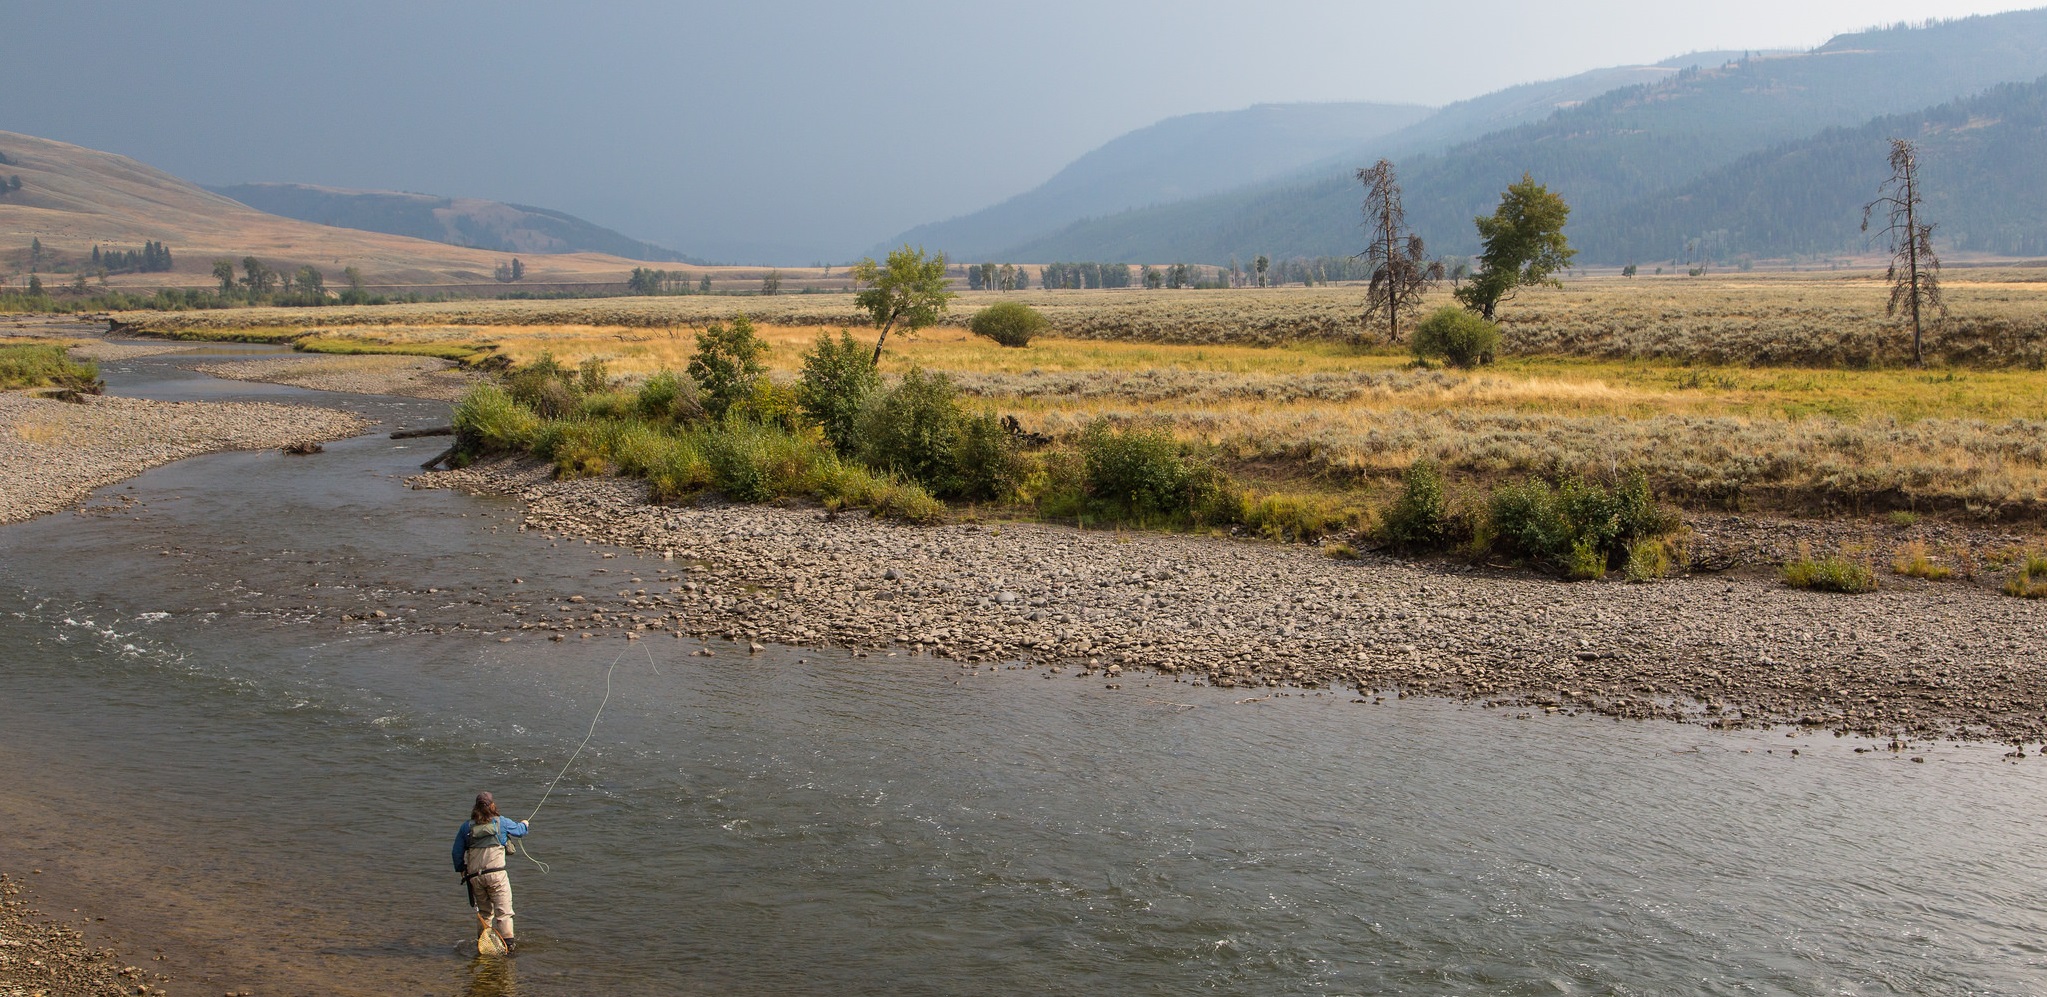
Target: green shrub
{"points": [[727, 364], [1576, 524], [986, 463], [610, 406], [913, 429], [1459, 337], [1291, 518], [769, 404], [593, 375], [1648, 560], [680, 470], [2030, 580], [1830, 574], [842, 483], [488, 420], [546, 387], [1010, 323], [1420, 518], [40, 365], [1144, 474], [756, 463], [837, 379], [668, 399]]}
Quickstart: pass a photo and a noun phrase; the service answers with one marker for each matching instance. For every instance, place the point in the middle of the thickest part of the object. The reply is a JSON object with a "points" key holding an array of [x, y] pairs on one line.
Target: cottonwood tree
{"points": [[1524, 246], [1401, 269], [1914, 274], [908, 289], [224, 271]]}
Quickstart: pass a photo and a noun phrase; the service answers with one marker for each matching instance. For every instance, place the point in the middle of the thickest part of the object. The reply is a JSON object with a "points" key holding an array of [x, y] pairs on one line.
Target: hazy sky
{"points": [[783, 132]]}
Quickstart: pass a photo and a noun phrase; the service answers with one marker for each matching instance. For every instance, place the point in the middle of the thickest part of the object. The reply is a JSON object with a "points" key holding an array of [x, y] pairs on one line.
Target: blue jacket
{"points": [[507, 827]]}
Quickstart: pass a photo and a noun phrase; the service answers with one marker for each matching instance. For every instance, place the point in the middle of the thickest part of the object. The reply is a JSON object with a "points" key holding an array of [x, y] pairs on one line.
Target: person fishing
{"points": [[480, 849]]}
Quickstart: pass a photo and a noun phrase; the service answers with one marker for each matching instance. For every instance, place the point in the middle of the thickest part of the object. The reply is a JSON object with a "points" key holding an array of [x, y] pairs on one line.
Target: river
{"points": [[198, 741]]}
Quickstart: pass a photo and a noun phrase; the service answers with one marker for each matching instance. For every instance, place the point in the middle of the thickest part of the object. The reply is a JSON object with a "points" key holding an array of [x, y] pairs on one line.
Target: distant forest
{"points": [[1986, 189]]}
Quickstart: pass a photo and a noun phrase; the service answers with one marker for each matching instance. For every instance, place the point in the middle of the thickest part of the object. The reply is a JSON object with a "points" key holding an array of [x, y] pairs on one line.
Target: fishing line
{"points": [[527, 851]]}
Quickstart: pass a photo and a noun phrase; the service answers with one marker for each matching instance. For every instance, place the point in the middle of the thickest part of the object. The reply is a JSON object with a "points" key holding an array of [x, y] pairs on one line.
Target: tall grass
{"points": [[44, 365]]}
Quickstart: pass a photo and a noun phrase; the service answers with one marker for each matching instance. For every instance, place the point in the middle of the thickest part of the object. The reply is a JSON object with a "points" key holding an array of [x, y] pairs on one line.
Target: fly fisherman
{"points": [[480, 849]]}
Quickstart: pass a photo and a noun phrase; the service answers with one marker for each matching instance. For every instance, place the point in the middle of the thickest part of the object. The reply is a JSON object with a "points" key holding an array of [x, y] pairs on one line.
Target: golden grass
{"points": [[1791, 434]]}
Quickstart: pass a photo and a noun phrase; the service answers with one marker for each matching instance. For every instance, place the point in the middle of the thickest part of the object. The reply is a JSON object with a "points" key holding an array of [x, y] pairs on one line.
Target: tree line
{"points": [[649, 281], [153, 257]]}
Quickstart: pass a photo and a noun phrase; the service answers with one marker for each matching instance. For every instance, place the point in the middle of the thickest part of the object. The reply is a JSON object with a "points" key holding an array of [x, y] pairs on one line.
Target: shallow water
{"points": [[805, 821]]}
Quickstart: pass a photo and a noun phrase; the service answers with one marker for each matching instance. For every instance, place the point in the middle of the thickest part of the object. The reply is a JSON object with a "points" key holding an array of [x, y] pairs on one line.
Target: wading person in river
{"points": [[480, 850]]}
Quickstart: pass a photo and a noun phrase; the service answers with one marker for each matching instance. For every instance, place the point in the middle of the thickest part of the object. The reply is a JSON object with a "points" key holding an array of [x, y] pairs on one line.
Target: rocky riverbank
{"points": [[41, 957], [1734, 649], [416, 377], [56, 453]]}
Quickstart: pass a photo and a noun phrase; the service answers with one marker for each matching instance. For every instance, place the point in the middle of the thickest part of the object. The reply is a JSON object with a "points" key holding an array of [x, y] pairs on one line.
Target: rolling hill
{"points": [[457, 221], [1607, 155], [73, 198]]}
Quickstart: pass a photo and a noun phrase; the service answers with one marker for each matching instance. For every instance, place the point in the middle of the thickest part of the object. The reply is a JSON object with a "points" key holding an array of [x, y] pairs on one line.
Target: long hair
{"points": [[483, 812]]}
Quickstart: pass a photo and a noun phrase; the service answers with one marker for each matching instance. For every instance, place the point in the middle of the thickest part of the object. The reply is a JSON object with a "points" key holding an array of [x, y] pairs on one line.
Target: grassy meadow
{"points": [[1780, 392]]}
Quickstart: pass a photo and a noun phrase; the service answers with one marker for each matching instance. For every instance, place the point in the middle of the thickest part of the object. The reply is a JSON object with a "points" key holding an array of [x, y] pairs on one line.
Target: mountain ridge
{"points": [[478, 223]]}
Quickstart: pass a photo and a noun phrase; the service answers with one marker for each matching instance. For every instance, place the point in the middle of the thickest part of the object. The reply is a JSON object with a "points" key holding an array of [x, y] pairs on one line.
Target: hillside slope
{"points": [[73, 198], [457, 221], [1979, 166], [1175, 159], [1604, 156]]}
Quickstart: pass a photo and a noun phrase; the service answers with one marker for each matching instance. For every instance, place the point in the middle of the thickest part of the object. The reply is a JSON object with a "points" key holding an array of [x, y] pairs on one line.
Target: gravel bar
{"points": [[1736, 649], [55, 453], [417, 377]]}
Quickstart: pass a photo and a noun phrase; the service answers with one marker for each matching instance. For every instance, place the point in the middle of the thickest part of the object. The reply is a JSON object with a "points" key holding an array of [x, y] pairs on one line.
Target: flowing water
{"points": [[278, 788]]}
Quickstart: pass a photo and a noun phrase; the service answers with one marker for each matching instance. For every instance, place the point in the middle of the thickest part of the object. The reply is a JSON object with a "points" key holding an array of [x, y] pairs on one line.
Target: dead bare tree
{"points": [[1914, 274], [1401, 269]]}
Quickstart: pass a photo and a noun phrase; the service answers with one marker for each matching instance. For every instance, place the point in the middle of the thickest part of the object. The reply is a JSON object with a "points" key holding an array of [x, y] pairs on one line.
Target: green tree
{"points": [[35, 286], [518, 269], [1914, 274], [1261, 264], [309, 282], [35, 254], [727, 364], [704, 284], [772, 283], [224, 271], [1401, 269], [838, 377], [907, 290], [1524, 246], [259, 279]]}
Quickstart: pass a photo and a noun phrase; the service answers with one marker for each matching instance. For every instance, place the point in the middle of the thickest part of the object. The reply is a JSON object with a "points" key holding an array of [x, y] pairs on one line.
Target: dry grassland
{"points": [[1778, 393]]}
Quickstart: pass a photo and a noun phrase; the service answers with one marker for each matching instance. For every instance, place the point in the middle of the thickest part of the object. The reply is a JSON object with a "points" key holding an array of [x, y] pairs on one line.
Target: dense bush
{"points": [[917, 429], [545, 386], [1420, 518], [1010, 323], [37, 365], [1145, 474], [986, 464], [487, 419], [727, 364], [838, 377], [668, 399], [913, 430], [1580, 527], [1458, 337]]}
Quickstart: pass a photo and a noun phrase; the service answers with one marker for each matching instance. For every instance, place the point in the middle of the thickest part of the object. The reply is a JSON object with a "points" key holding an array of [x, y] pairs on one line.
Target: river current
{"points": [[181, 697]]}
